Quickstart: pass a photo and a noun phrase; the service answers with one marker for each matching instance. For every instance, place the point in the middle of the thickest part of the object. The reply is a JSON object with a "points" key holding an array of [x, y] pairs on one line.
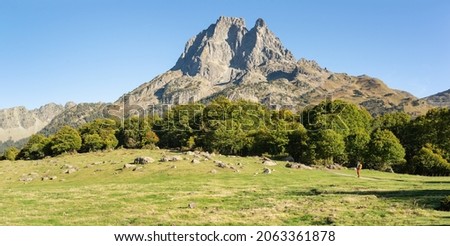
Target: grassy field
{"points": [[182, 193]]}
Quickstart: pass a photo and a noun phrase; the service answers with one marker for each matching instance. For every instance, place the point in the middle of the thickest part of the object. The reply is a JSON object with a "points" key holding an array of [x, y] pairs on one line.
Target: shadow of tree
{"points": [[426, 198]]}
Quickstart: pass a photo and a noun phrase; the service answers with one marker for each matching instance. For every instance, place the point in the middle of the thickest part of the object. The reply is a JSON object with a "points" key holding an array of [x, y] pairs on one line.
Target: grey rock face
{"points": [[17, 123], [227, 49], [441, 99]]}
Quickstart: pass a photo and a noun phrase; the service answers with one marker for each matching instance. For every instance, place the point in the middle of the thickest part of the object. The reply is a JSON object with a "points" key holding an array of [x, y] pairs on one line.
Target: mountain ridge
{"points": [[227, 59]]}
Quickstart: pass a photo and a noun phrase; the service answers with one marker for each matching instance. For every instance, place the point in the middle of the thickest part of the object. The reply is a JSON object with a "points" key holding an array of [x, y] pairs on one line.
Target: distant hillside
{"points": [[18, 123], [441, 99], [75, 116]]}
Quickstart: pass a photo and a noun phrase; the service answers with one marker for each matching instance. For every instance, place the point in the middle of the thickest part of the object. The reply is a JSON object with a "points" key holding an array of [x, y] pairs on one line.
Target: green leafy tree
{"points": [[227, 138], [339, 116], [99, 135], [37, 147], [356, 146], [394, 122], [272, 141], [11, 153], [427, 162], [66, 140], [384, 150], [329, 145], [178, 125], [298, 146], [93, 142]]}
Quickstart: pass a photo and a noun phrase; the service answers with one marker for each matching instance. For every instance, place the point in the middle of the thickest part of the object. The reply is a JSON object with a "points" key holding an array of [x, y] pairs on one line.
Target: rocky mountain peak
{"points": [[260, 23], [226, 50], [227, 59]]}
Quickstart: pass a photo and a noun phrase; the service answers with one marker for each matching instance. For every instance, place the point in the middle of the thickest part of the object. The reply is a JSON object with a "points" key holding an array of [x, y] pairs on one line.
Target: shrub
{"points": [[37, 147], [11, 153], [384, 150], [65, 140], [427, 162]]}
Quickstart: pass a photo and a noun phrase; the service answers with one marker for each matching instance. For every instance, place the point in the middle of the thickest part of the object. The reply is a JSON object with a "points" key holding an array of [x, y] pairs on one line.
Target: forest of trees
{"points": [[331, 132]]}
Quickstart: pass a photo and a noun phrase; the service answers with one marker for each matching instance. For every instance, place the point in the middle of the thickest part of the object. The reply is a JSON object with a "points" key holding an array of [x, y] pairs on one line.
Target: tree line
{"points": [[330, 132]]}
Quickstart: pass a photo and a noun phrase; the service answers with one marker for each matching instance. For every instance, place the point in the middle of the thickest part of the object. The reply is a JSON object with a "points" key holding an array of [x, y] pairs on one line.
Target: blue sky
{"points": [[96, 50]]}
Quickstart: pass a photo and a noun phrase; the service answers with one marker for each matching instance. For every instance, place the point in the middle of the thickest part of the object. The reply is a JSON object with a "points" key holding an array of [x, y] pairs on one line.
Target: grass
{"points": [[102, 194]]}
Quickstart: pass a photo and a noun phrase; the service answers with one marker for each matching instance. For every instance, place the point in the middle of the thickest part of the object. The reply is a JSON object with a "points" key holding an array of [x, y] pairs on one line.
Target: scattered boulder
{"points": [[195, 161], [28, 177], [222, 165], [71, 170], [298, 166], [171, 158], [53, 178], [269, 163], [267, 171], [189, 153], [334, 166], [143, 160], [67, 166], [192, 205], [214, 171], [129, 166], [207, 155], [173, 167]]}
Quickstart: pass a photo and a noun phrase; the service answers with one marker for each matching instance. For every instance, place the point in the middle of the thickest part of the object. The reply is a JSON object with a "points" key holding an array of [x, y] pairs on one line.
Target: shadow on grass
{"points": [[426, 198]]}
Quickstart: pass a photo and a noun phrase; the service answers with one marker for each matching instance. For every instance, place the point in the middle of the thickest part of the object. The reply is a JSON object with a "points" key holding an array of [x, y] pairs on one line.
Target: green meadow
{"points": [[102, 192]]}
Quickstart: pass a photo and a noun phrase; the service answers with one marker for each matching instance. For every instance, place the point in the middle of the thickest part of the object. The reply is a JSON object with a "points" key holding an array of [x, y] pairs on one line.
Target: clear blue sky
{"points": [[96, 50]]}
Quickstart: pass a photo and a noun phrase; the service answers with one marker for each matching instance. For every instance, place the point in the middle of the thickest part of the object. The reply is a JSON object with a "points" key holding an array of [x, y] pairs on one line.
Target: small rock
{"points": [[269, 163], [190, 153], [195, 161], [45, 178], [143, 160], [214, 171], [53, 178], [26, 178], [192, 205], [176, 158], [71, 170], [129, 166], [67, 166], [222, 165], [267, 171]]}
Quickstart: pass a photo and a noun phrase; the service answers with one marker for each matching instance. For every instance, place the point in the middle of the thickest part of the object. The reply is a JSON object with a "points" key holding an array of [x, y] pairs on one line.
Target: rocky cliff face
{"points": [[17, 123], [228, 59], [441, 99]]}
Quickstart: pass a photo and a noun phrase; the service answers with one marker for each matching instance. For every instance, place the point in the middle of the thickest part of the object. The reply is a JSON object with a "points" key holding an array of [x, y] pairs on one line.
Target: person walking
{"points": [[358, 169]]}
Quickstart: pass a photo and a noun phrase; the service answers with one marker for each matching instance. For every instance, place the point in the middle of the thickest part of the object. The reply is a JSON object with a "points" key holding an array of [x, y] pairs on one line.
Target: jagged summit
{"points": [[226, 49]]}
